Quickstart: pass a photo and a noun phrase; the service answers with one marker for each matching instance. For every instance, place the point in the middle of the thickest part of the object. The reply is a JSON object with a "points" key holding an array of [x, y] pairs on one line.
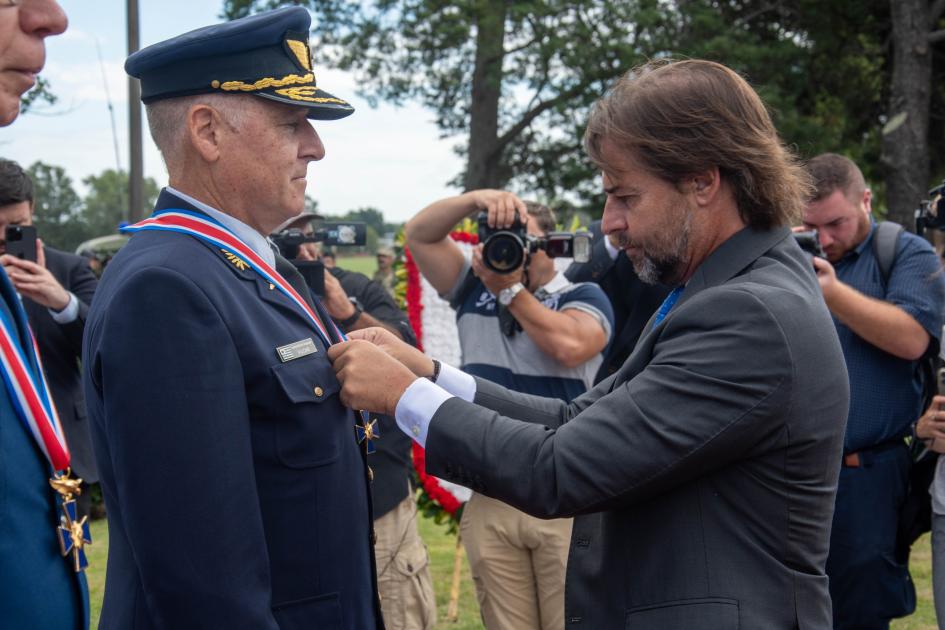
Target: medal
{"points": [[367, 432], [74, 534], [23, 377]]}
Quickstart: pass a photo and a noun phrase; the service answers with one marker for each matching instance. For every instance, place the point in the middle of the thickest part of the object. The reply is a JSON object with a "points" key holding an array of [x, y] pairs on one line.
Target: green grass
{"points": [[442, 549], [920, 565], [365, 264]]}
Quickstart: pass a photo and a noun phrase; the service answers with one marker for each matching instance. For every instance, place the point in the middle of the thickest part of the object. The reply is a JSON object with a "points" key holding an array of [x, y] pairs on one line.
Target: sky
{"points": [[389, 158]]}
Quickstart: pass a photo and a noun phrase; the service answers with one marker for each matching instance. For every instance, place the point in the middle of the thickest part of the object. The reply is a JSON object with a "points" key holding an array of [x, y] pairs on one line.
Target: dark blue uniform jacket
{"points": [[237, 495]]}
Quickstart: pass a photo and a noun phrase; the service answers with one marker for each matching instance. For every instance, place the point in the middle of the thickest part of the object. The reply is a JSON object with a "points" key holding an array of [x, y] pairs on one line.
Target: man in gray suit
{"points": [[702, 473]]}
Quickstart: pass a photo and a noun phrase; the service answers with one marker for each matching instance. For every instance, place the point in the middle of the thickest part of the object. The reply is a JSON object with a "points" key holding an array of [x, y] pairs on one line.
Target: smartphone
{"points": [[941, 381], [21, 241]]}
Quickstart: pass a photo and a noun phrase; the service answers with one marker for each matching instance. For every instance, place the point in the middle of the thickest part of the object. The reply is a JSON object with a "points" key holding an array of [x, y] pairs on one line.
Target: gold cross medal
{"points": [[367, 431], [73, 534]]}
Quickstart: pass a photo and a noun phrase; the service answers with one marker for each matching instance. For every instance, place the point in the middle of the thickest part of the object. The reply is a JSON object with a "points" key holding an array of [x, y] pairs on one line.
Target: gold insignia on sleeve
{"points": [[301, 52], [238, 262]]}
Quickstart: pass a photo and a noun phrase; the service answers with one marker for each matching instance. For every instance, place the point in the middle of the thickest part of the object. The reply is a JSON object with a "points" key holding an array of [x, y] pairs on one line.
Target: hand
{"points": [[826, 276], [493, 281], [501, 206], [32, 280], [931, 426], [418, 363], [336, 301], [370, 378]]}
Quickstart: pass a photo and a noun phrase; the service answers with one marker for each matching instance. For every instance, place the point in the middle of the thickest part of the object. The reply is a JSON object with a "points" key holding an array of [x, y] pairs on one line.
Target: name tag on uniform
{"points": [[297, 350]]}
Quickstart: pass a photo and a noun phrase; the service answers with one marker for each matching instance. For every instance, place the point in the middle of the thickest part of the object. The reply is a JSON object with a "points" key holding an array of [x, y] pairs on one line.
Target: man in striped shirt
{"points": [[533, 331]]}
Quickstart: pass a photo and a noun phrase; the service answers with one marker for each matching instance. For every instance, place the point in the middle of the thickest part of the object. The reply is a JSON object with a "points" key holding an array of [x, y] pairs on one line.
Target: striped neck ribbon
{"points": [[212, 231], [29, 393]]}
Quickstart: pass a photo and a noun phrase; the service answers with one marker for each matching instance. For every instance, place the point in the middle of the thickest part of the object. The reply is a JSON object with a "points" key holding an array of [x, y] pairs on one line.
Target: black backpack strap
{"points": [[885, 244]]}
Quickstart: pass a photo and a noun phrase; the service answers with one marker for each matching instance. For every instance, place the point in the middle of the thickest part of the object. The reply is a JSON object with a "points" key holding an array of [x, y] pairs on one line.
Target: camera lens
{"points": [[503, 252]]}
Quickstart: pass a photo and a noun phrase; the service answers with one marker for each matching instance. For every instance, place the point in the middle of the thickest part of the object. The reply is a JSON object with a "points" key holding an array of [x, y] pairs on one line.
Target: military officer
{"points": [[237, 491]]}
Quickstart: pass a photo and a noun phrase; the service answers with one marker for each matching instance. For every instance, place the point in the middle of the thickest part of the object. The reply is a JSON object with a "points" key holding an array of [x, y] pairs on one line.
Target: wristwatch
{"points": [[346, 324], [508, 294]]}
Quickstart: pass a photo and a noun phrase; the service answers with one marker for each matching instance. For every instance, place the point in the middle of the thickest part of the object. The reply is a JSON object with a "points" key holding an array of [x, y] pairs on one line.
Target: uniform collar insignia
{"points": [[237, 262]]}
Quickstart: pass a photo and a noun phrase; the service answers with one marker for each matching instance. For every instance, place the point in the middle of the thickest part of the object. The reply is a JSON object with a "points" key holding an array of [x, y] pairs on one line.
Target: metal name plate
{"points": [[297, 350]]}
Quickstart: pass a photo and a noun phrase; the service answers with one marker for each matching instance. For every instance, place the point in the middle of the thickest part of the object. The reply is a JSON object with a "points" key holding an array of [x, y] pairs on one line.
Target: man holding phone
{"points": [[57, 288]]}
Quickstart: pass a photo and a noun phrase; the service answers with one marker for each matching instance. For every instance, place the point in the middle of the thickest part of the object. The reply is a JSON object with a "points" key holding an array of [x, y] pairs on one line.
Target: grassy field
{"points": [[366, 264], [442, 552]]}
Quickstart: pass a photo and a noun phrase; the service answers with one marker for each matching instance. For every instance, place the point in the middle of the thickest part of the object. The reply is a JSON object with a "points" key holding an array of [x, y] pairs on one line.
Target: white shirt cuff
{"points": [[457, 382], [417, 407], [69, 313]]}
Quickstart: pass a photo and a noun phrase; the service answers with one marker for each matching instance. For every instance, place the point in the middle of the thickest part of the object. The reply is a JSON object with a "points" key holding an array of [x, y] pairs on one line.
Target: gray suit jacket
{"points": [[702, 473]]}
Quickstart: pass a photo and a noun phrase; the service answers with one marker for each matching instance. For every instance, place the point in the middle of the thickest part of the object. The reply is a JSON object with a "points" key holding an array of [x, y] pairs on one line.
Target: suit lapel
{"points": [[727, 261]]}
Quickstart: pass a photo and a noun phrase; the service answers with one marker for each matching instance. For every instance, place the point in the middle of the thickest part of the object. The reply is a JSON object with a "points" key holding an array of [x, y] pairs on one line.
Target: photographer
{"points": [[403, 577], [535, 332], [886, 325]]}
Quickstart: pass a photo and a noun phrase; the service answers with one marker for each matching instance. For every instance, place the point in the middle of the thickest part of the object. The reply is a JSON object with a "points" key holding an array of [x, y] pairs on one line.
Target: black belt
{"points": [[863, 456]]}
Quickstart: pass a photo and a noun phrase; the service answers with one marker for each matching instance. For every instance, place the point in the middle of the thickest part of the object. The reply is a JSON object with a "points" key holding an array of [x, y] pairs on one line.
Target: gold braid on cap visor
{"points": [[307, 94], [262, 84]]}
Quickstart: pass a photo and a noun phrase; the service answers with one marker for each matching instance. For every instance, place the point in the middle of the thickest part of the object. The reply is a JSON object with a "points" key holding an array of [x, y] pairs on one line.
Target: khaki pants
{"points": [[403, 574], [518, 564]]}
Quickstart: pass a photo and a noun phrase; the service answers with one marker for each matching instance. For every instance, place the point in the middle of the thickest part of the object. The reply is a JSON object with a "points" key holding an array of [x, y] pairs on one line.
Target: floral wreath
{"points": [[436, 499]]}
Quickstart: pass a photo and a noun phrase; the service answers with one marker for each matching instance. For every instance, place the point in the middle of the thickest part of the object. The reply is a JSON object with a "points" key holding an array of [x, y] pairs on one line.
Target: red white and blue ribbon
{"points": [[30, 394], [212, 231]]}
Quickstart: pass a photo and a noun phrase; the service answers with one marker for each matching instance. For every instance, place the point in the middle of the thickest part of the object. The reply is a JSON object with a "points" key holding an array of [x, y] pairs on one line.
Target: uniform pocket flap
{"points": [[306, 380], [322, 612]]}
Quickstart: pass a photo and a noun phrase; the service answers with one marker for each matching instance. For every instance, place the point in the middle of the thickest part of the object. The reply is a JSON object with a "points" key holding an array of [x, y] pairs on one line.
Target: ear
{"points": [[204, 128], [867, 201], [704, 186]]}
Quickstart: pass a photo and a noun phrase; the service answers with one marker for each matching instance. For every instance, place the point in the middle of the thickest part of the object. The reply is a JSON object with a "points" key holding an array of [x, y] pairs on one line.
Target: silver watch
{"points": [[508, 294]]}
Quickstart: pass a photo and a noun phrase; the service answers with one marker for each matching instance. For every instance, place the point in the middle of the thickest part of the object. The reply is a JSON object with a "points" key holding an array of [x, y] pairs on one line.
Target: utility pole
{"points": [[136, 160]]}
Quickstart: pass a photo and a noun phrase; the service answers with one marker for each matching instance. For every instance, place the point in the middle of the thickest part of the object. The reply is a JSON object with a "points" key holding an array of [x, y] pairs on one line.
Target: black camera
{"points": [[350, 234], [931, 213], [504, 249], [810, 243]]}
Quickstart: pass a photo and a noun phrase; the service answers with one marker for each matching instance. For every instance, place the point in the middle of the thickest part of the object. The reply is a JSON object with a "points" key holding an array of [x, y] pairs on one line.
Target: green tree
{"points": [[57, 212], [516, 78], [371, 216], [107, 200], [39, 93], [512, 76]]}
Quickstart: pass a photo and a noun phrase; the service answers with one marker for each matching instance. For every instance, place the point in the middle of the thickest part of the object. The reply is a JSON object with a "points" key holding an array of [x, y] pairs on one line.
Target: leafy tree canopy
{"points": [[517, 78]]}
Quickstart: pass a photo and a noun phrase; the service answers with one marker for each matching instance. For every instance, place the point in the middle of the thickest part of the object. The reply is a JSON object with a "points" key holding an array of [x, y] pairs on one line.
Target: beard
{"points": [[663, 261]]}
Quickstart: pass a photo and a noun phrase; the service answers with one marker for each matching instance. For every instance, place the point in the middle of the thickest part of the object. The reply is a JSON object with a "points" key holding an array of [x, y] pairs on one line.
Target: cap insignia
{"points": [[301, 52]]}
